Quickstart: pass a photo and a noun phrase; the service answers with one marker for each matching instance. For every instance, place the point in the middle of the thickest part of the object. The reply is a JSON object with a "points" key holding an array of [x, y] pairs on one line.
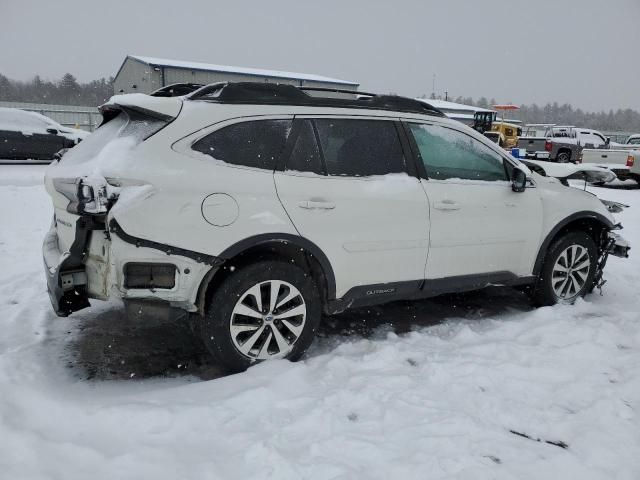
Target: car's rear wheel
{"points": [[563, 157], [568, 270], [263, 311]]}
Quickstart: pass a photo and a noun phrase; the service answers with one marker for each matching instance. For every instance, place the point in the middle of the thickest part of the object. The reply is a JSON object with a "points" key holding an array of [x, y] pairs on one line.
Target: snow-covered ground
{"points": [[445, 388]]}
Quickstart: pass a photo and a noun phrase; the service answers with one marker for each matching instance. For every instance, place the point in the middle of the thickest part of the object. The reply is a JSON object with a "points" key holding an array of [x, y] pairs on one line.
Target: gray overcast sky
{"points": [[585, 52]]}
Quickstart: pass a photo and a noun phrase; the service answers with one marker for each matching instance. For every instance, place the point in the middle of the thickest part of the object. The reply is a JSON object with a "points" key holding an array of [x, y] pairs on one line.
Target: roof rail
{"points": [[176, 89], [283, 94]]}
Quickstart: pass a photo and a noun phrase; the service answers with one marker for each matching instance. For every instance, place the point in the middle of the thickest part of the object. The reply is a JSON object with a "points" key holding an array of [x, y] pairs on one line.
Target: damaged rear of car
{"points": [[84, 186]]}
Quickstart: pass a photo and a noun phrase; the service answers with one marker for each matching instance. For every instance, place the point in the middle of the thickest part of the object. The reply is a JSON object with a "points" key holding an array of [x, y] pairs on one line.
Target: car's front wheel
{"points": [[266, 310], [568, 270]]}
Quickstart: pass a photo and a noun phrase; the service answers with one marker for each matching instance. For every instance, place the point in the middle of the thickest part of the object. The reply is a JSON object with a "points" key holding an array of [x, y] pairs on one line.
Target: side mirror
{"points": [[52, 131], [58, 155], [607, 141], [518, 180]]}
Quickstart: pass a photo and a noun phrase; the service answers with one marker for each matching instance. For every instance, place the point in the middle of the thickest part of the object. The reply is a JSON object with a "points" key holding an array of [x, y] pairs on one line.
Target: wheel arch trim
{"points": [[273, 239], [584, 215]]}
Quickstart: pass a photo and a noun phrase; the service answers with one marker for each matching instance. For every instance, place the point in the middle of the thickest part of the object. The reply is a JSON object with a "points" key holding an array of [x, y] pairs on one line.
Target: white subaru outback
{"points": [[256, 207]]}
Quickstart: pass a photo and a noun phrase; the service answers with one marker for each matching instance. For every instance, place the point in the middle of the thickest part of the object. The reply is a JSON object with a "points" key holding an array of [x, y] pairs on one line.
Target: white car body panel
{"points": [[479, 227], [374, 229]]}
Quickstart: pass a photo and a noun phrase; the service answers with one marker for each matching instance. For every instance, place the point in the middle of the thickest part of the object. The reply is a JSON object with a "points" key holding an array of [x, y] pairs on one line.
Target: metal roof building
{"points": [[146, 74], [459, 111]]}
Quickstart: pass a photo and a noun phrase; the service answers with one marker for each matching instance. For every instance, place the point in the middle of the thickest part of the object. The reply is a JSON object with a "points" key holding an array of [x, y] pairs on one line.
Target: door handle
{"points": [[446, 205], [313, 205]]}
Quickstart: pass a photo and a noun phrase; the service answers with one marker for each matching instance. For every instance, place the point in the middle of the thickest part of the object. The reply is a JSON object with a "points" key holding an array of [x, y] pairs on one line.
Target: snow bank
{"points": [[436, 402]]}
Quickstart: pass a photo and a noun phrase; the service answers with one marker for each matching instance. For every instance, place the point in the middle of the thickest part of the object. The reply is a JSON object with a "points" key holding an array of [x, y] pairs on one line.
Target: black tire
{"points": [[543, 292], [219, 314], [563, 156]]}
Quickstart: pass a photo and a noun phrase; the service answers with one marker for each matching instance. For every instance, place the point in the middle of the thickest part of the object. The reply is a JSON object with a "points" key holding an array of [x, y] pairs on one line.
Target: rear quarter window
{"points": [[256, 144]]}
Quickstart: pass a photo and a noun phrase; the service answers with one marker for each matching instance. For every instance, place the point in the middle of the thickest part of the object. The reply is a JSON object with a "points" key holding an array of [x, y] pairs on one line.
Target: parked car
{"points": [[623, 162], [561, 143], [256, 207], [31, 136], [633, 140]]}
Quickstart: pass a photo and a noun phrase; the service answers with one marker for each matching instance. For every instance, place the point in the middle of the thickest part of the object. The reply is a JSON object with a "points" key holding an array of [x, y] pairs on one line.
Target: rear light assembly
{"points": [[83, 196], [630, 160], [548, 146]]}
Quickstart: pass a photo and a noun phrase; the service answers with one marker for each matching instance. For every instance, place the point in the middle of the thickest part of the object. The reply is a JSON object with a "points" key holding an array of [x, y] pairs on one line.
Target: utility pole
{"points": [[433, 87]]}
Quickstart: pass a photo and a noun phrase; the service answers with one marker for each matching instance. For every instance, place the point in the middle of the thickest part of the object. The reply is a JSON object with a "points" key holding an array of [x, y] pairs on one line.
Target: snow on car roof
{"points": [[17, 120], [14, 119], [165, 62]]}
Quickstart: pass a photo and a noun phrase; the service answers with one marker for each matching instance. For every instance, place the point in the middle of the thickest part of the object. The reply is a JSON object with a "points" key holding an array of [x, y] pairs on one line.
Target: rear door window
{"points": [[256, 143], [360, 148]]}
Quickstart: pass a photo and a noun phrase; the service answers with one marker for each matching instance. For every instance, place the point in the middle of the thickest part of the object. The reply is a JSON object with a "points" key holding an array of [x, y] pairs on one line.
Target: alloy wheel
{"points": [[570, 272], [268, 319]]}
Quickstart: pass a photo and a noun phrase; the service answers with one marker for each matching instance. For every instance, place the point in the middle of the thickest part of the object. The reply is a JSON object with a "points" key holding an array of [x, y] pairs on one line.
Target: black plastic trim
{"points": [[283, 158], [368, 295], [415, 152], [287, 238], [409, 160], [117, 230], [67, 302], [584, 215]]}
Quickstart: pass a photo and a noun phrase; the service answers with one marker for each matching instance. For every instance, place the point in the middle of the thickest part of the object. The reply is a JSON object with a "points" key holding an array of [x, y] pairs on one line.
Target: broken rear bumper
{"points": [[66, 285]]}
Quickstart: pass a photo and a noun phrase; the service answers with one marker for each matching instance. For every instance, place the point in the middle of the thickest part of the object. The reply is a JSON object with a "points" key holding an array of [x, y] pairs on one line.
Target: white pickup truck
{"points": [[624, 162]]}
